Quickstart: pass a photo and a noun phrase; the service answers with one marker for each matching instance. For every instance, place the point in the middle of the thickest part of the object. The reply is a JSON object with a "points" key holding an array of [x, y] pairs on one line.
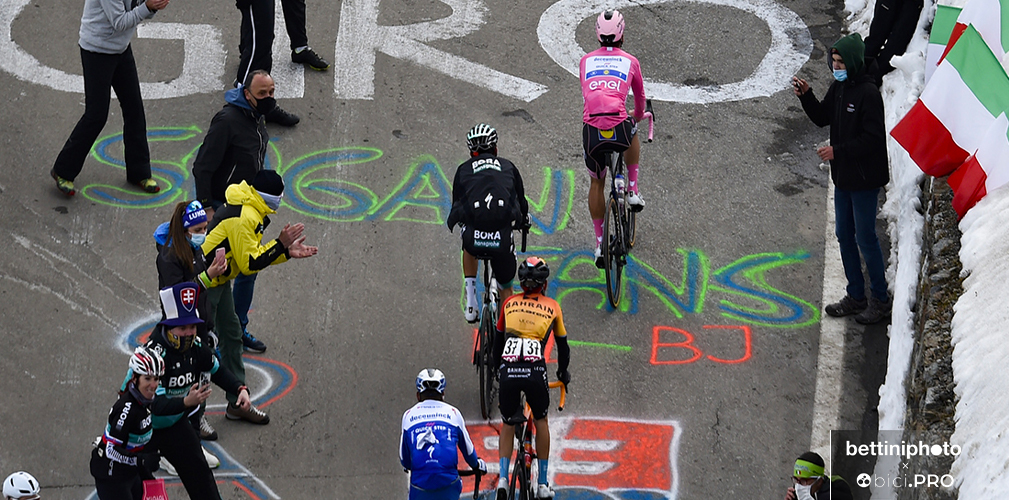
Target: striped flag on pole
{"points": [[990, 18], [985, 170], [938, 37], [969, 89]]}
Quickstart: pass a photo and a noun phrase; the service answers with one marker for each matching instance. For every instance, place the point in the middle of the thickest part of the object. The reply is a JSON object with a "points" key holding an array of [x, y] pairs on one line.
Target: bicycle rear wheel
{"points": [[613, 250], [488, 381]]}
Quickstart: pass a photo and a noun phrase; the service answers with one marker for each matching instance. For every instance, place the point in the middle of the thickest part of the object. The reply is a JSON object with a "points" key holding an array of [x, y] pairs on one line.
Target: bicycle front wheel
{"points": [[488, 381], [631, 228], [613, 250]]}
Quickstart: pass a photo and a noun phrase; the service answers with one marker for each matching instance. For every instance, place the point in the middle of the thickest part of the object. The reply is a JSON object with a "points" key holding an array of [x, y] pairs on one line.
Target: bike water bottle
{"points": [[618, 184]]}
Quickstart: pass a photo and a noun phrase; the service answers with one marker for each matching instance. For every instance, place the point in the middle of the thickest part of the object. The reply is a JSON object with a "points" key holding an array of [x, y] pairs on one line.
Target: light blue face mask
{"points": [[196, 240], [840, 75]]}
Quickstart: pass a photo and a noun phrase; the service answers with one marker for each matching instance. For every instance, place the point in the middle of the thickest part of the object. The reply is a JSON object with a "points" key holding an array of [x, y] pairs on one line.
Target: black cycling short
{"points": [[523, 377], [495, 245], [596, 143]]}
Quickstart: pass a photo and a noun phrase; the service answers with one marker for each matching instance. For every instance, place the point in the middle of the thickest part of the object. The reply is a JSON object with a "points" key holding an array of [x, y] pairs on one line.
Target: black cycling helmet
{"points": [[482, 137], [533, 273]]}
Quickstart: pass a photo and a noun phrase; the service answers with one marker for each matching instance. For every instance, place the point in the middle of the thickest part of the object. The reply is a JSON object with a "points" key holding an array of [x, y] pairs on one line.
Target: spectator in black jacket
{"points": [[859, 167], [233, 151], [893, 25]]}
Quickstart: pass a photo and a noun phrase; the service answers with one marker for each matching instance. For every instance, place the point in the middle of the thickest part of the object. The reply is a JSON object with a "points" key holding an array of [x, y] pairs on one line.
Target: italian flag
{"points": [[985, 170], [968, 91], [989, 17], [938, 38]]}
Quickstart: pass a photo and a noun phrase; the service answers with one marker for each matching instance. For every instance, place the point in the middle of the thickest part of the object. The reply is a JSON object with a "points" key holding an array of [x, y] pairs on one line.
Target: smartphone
{"points": [[220, 253], [204, 379]]}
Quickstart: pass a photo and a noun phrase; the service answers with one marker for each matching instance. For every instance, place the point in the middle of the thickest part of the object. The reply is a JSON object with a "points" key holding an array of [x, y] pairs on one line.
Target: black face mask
{"points": [[265, 105]]}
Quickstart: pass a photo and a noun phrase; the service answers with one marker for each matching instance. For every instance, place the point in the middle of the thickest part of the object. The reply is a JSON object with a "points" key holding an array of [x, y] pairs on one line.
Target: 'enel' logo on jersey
{"points": [[610, 85]]}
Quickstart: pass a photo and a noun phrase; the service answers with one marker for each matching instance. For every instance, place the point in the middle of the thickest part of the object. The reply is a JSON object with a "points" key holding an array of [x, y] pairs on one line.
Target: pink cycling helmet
{"points": [[610, 25]]}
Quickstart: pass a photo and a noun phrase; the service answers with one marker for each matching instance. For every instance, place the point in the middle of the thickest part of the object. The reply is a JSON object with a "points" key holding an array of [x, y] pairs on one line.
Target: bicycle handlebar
{"points": [[564, 392], [651, 118]]}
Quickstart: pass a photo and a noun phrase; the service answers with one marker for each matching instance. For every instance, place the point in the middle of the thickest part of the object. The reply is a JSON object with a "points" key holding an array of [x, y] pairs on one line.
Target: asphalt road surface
{"points": [[699, 386]]}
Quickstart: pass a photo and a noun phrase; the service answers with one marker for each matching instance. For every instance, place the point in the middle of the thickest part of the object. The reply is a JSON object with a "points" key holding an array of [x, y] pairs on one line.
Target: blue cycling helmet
{"points": [[431, 378]]}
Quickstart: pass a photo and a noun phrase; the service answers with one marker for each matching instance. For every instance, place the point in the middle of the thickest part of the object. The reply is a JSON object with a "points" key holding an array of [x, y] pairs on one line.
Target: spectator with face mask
{"points": [[810, 481]]}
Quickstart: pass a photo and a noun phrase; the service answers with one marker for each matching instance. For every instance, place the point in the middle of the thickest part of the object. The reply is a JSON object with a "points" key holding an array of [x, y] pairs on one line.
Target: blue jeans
{"points": [[245, 286], [856, 231]]}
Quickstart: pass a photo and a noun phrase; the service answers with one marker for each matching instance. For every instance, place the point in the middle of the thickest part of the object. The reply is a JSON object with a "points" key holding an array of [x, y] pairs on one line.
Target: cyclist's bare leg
{"points": [[631, 158], [469, 265], [597, 206], [506, 444], [542, 439], [469, 268]]}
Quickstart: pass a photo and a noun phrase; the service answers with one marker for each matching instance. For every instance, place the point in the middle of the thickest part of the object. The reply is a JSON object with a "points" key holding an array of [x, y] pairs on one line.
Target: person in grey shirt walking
{"points": [[107, 27]]}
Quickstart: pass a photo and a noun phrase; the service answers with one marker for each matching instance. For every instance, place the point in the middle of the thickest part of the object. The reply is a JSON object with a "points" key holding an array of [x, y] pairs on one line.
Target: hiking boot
{"points": [[66, 187], [600, 261], [281, 117], [876, 311], [846, 307], [212, 459], [168, 467], [252, 344], [149, 185], [207, 433], [635, 201], [253, 414], [309, 58], [544, 491]]}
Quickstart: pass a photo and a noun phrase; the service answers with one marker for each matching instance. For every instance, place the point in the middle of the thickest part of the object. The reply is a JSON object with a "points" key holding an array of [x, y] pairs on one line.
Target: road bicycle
{"points": [[483, 346], [477, 495], [619, 221], [520, 484]]}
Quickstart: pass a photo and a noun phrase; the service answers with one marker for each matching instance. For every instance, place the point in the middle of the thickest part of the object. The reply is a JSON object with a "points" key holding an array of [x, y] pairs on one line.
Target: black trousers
{"points": [[892, 27], [103, 72], [181, 446], [120, 490], [294, 18], [256, 43]]}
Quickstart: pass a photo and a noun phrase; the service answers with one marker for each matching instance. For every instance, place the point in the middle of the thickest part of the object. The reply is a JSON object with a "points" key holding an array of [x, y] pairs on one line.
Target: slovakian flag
{"points": [[938, 37], [969, 89], [985, 170]]}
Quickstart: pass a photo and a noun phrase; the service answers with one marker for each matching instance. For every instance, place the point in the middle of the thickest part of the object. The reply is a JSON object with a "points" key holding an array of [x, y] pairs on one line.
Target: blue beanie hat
{"points": [[195, 214]]}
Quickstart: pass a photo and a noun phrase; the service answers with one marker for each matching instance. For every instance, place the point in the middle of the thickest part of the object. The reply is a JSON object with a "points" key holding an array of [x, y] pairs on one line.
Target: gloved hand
{"points": [[150, 462], [564, 376], [481, 466]]}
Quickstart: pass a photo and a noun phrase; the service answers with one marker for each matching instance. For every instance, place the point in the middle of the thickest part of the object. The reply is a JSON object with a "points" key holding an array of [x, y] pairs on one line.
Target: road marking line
{"points": [[829, 364]]}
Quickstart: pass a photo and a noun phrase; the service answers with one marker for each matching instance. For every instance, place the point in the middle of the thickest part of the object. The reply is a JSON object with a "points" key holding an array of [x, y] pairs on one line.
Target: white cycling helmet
{"points": [[146, 361], [481, 137], [431, 378], [21, 485], [610, 26]]}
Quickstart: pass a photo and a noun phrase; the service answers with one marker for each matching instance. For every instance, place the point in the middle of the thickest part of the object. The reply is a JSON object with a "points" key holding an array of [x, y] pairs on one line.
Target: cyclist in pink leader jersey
{"points": [[608, 74]]}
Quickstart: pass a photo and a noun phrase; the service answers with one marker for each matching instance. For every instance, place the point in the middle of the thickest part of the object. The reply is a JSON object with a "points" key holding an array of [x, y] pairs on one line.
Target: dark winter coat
{"points": [[233, 150], [854, 110]]}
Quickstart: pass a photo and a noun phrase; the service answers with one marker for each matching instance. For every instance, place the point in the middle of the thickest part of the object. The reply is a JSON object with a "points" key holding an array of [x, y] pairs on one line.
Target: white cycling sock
{"points": [[471, 292]]}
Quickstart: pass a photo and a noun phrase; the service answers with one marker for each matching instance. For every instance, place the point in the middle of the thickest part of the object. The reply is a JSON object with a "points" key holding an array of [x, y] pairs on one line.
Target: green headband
{"points": [[806, 470]]}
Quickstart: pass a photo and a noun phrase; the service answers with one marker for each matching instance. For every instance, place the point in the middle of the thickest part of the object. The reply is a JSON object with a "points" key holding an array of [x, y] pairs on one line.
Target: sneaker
{"points": [[635, 201], [600, 261], [845, 307], [544, 491], [148, 185], [207, 433], [309, 58], [212, 460], [252, 344], [168, 467], [253, 414], [502, 488], [281, 117], [876, 311], [66, 187]]}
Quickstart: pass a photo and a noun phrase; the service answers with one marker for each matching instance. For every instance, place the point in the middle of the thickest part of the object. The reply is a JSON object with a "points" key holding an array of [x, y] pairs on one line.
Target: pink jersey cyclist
{"points": [[607, 76]]}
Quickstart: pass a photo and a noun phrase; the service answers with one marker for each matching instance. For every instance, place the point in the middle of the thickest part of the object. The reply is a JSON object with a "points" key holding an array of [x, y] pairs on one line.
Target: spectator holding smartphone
{"points": [[107, 27], [174, 339]]}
